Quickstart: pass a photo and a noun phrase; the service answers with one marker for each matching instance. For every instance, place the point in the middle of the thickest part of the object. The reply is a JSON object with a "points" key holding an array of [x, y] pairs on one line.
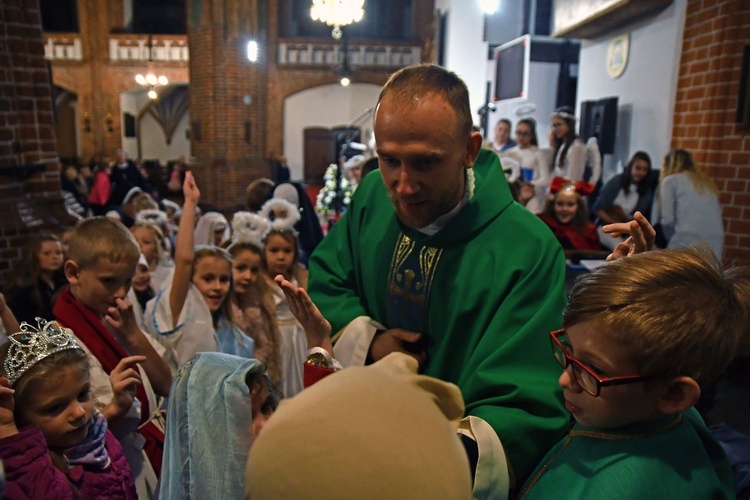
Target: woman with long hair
{"points": [[569, 149], [533, 163], [625, 194], [689, 204], [36, 282]]}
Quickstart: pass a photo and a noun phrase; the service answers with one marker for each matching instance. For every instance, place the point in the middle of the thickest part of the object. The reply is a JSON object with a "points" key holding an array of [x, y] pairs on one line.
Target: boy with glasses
{"points": [[641, 336]]}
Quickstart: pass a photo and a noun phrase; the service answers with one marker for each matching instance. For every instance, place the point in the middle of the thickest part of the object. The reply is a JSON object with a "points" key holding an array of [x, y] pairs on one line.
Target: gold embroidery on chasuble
{"points": [[410, 278]]}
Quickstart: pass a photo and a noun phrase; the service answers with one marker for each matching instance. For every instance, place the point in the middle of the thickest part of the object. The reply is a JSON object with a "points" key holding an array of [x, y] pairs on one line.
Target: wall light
{"points": [[252, 51], [489, 6], [345, 81]]}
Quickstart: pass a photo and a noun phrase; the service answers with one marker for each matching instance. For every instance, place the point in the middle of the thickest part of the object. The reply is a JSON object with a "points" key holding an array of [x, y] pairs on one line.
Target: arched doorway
{"points": [[326, 106], [156, 130]]}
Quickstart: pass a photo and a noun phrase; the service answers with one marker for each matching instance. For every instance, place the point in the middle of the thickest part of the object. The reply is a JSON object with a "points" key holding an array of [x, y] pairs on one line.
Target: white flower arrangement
{"points": [[325, 204]]}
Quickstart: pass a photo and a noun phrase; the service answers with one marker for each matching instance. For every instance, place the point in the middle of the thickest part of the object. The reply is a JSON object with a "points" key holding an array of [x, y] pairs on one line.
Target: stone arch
{"points": [[327, 106]]}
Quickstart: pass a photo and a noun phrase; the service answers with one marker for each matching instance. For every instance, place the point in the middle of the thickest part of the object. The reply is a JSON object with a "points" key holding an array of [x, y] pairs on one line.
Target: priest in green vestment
{"points": [[434, 258]]}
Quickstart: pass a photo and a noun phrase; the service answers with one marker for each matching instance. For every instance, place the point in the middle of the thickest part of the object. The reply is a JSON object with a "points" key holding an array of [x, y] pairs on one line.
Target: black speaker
{"points": [[128, 124], [599, 119]]}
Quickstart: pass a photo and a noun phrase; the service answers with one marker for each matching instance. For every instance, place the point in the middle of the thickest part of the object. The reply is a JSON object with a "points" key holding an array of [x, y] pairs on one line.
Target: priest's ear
{"points": [[678, 395], [473, 145]]}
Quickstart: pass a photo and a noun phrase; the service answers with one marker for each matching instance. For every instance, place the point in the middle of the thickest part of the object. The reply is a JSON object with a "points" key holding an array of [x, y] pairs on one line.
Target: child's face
{"points": [[279, 255], [142, 278], [97, 286], [63, 410], [147, 242], [245, 270], [65, 240], [218, 236], [616, 405], [50, 256], [566, 206], [212, 277]]}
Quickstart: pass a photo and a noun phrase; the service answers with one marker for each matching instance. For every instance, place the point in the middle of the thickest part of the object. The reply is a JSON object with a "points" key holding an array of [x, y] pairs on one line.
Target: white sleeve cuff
{"points": [[491, 479], [353, 342]]}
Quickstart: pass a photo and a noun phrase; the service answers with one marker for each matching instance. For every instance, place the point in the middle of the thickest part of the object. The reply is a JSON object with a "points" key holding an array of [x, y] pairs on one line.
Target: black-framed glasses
{"points": [[585, 376]]}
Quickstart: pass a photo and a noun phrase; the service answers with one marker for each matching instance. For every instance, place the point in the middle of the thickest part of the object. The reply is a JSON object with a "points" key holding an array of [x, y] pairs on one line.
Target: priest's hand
{"points": [[641, 239], [397, 340]]}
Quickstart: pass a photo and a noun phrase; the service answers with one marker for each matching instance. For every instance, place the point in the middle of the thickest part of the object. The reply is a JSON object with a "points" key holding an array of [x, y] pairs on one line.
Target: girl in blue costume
{"points": [[192, 313], [231, 396]]}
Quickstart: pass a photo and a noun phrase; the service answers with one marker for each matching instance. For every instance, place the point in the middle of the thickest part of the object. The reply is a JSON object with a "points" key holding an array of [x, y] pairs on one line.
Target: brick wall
{"points": [[716, 33], [30, 197]]}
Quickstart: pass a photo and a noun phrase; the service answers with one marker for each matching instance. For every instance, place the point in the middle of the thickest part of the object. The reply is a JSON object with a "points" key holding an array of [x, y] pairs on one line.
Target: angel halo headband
{"points": [[564, 115], [248, 227], [285, 222], [31, 345]]}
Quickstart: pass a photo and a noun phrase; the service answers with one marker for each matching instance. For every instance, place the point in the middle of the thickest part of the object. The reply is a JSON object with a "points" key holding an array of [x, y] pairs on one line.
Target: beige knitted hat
{"points": [[374, 432]]}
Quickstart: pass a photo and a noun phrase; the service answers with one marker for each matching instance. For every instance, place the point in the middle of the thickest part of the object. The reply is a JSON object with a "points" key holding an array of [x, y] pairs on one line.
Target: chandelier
{"points": [[337, 13], [150, 80]]}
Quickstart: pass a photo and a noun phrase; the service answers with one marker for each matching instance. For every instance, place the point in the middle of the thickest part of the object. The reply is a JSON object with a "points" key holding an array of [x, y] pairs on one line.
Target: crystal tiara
{"points": [[31, 345]]}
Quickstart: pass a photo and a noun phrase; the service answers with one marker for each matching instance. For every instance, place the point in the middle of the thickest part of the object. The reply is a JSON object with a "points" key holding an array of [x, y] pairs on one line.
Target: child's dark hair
{"points": [[627, 175], [679, 310], [29, 273]]}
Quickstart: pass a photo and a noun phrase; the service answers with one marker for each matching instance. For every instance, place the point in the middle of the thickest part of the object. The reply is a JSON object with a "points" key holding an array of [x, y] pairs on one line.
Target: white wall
{"points": [[153, 141], [324, 106], [465, 52], [646, 90]]}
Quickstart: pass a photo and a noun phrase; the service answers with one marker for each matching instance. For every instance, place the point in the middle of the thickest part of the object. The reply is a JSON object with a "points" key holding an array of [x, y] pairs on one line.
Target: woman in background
{"points": [[689, 204], [569, 149], [624, 195], [533, 164]]}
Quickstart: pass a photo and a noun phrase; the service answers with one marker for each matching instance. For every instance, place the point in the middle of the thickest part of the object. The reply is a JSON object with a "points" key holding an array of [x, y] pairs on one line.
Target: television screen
{"points": [[510, 60]]}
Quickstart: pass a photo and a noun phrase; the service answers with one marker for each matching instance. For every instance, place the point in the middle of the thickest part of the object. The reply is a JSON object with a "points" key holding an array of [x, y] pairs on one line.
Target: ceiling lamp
{"points": [[150, 80], [337, 13]]}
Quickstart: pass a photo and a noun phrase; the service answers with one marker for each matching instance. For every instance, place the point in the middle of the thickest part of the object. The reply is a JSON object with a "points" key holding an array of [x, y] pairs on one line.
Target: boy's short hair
{"points": [[102, 238], [680, 311]]}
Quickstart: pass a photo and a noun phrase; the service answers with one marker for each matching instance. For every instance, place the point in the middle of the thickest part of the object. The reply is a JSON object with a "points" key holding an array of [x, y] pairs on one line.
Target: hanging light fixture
{"points": [[150, 80], [337, 13]]}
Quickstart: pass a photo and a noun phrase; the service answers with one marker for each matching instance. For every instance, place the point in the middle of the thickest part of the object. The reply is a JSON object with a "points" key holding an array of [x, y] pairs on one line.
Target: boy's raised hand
{"points": [[317, 328], [190, 188], [7, 405], [124, 379], [641, 239]]}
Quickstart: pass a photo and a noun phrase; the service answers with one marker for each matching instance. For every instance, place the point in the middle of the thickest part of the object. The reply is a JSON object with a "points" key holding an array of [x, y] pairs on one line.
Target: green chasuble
{"points": [[673, 457], [485, 290]]}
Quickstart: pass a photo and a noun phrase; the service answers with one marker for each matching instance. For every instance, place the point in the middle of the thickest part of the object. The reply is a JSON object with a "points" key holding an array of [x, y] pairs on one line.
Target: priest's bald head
{"points": [[424, 142]]}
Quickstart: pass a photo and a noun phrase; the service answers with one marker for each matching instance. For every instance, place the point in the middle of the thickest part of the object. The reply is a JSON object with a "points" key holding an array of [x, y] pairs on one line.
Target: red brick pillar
{"points": [[30, 197], [227, 97], [716, 33]]}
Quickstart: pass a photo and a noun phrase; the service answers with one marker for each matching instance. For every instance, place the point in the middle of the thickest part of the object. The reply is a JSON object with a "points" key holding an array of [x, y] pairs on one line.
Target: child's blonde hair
{"points": [[267, 308], [158, 234], [102, 238], [679, 310]]}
